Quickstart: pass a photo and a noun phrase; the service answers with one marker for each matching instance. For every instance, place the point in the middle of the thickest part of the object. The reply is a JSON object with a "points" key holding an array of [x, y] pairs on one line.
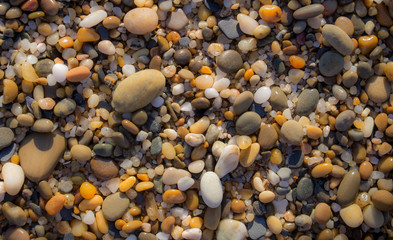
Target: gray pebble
{"points": [[103, 149], [230, 28], [6, 153], [6, 137], [156, 146], [304, 189], [257, 228], [65, 187], [307, 102], [284, 173]]}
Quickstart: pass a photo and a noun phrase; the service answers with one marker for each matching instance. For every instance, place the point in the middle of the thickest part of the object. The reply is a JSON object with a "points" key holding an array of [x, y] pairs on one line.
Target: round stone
{"points": [[349, 188], [44, 67], [141, 21], [378, 89], [182, 56], [104, 169], [373, 217], [7, 135], [382, 200], [292, 131], [114, 206], [330, 64], [229, 61], [344, 120], [304, 189], [322, 213], [267, 137], [138, 90], [307, 102], [248, 123], [80, 153], [278, 100], [243, 102], [231, 230]]}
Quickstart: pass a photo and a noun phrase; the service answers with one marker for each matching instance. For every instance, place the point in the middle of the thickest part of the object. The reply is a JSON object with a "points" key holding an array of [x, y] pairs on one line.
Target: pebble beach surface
{"points": [[196, 119]]}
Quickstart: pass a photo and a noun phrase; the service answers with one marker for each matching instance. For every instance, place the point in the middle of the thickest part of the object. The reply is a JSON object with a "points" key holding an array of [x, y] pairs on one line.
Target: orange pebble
{"points": [[66, 42], [15, 159], [119, 224], [173, 36], [248, 74], [270, 13], [143, 177], [196, 222], [87, 190], [297, 62], [55, 204]]}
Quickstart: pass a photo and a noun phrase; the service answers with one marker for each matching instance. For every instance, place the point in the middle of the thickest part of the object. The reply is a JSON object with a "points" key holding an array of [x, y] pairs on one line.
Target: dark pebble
{"points": [[295, 159]]}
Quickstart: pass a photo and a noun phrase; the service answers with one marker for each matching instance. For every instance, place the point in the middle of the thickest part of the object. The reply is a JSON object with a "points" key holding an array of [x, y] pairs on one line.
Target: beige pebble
{"points": [[352, 215], [80, 153], [266, 196], [274, 224]]}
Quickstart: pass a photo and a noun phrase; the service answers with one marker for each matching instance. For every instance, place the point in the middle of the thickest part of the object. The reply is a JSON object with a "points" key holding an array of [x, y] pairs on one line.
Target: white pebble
{"points": [[246, 23], [59, 71], [262, 95], [192, 234], [211, 93], [228, 161], [185, 183], [88, 218], [273, 178], [178, 89], [128, 69], [221, 84], [113, 184], [211, 189], [14, 177], [106, 47], [93, 19], [259, 67]]}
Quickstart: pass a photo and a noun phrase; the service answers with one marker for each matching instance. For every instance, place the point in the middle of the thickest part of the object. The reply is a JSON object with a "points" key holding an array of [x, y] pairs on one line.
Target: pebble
{"points": [[304, 189], [106, 47], [230, 229], [292, 131], [13, 177], [7, 152], [378, 89], [278, 100], [321, 170], [65, 107], [382, 200], [246, 23], [7, 136], [103, 149], [322, 213], [230, 28], [10, 91], [93, 19], [373, 217], [55, 204], [43, 125], [210, 189], [331, 63], [128, 96], [173, 196], [385, 165], [307, 102], [50, 7], [177, 20], [16, 233], [242, 102], [172, 175], [141, 21], [44, 67], [114, 206], [257, 228], [228, 161], [267, 137], [309, 11], [352, 215], [248, 123], [104, 169], [59, 72], [229, 61], [266, 196], [39, 154], [344, 120], [262, 95], [274, 224], [270, 13], [14, 214], [338, 39], [81, 153], [349, 188], [78, 74]]}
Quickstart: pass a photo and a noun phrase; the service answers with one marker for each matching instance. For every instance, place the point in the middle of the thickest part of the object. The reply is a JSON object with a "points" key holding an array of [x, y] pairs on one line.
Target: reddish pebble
{"points": [[55, 204], [30, 5], [78, 74]]}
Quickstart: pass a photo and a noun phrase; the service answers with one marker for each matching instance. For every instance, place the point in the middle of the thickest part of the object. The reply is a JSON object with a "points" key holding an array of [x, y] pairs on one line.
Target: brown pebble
{"points": [[168, 224], [322, 213], [55, 204], [365, 170], [382, 200], [385, 164], [237, 206], [173, 196]]}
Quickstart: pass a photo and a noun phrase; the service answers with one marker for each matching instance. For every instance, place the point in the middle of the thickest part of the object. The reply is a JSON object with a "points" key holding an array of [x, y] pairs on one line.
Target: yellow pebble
{"points": [[205, 70], [15, 159], [196, 222], [143, 186], [143, 177], [131, 226], [280, 119], [96, 124], [87, 190], [127, 184], [119, 224], [102, 223]]}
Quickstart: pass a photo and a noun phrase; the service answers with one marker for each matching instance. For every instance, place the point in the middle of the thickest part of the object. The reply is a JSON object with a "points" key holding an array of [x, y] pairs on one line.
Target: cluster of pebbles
{"points": [[196, 119]]}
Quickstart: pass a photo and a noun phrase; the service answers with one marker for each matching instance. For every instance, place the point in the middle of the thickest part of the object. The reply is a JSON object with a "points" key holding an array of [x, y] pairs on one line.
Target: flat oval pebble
{"points": [[373, 217], [349, 188], [14, 214], [138, 90], [211, 189], [231, 230], [307, 102], [114, 206], [378, 89], [331, 63], [93, 19], [243, 102], [13, 177], [141, 20], [382, 200], [248, 123], [292, 131], [78, 74], [7, 135], [267, 136], [309, 11], [338, 39], [172, 175], [344, 120], [278, 99]]}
